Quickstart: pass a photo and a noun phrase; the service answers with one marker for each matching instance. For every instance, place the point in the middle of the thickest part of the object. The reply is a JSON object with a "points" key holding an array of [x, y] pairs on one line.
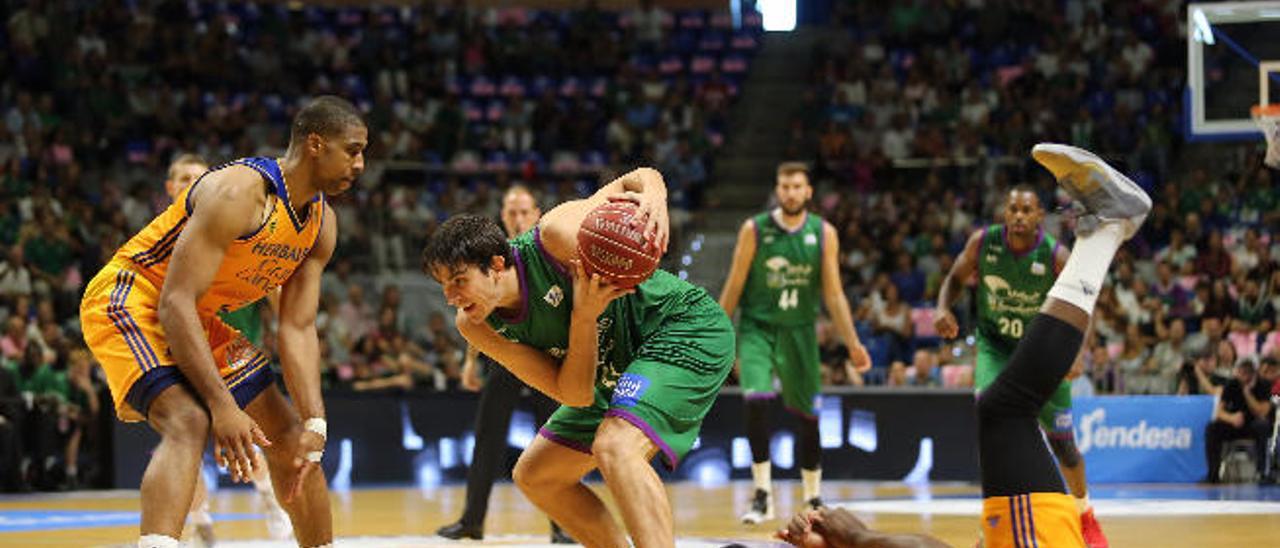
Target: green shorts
{"points": [[666, 389], [791, 353], [1055, 416]]}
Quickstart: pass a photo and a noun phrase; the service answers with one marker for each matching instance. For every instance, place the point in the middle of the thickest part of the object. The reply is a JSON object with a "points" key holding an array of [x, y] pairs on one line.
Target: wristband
{"points": [[315, 456], [317, 425]]}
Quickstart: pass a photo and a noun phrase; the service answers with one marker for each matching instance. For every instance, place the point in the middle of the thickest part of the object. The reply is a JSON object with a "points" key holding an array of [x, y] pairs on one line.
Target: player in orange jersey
{"points": [[184, 170], [239, 232]]}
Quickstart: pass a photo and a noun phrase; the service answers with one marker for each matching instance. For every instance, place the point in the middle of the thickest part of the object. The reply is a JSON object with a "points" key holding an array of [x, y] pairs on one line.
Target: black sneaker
{"points": [[558, 536], [459, 531], [761, 508], [815, 503]]}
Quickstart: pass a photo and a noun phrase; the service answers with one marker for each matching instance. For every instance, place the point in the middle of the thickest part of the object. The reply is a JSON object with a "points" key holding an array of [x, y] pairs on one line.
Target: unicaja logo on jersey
{"points": [[781, 273], [554, 296], [1095, 434], [1002, 297]]}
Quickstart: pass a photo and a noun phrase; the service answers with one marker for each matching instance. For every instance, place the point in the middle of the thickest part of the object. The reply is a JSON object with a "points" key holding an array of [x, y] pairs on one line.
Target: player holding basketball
{"points": [[783, 260], [233, 236], [183, 171], [1026, 503], [498, 397], [1017, 263], [636, 370]]}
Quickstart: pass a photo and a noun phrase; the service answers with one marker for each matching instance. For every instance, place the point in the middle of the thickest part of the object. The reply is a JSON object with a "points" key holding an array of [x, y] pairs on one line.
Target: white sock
{"points": [[1082, 276], [264, 486], [202, 517], [762, 473], [158, 541], [812, 480], [1083, 504]]}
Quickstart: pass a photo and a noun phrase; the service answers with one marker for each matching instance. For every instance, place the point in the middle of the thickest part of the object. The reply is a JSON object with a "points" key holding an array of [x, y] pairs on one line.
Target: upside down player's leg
{"points": [[1026, 502]]}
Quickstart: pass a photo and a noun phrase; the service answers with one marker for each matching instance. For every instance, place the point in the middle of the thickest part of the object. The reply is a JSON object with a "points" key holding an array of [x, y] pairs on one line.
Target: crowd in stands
{"points": [[917, 120], [462, 102]]}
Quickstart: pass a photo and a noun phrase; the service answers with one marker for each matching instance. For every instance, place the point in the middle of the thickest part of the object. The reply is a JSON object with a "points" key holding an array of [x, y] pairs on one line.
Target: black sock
{"points": [[810, 444], [757, 412]]}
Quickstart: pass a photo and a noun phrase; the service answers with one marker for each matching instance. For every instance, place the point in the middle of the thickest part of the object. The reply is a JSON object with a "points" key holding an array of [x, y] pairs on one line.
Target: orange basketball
{"points": [[610, 246]]}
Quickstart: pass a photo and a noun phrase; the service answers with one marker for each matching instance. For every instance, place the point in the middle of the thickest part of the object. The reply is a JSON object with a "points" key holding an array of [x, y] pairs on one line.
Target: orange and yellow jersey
{"points": [[254, 264], [119, 311]]}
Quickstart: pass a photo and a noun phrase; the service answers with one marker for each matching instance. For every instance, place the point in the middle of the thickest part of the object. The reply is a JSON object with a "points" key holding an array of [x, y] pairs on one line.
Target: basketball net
{"points": [[1267, 114]]}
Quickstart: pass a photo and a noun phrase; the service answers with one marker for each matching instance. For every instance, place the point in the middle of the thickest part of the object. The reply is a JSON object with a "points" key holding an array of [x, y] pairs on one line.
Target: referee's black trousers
{"points": [[498, 401]]}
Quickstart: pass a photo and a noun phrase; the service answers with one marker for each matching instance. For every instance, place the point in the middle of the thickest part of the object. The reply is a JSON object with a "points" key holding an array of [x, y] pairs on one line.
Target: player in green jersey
{"points": [[1016, 264], [635, 370], [785, 259]]}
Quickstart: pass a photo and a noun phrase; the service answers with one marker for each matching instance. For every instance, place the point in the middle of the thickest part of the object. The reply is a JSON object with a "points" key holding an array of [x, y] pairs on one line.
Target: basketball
{"points": [[609, 245]]}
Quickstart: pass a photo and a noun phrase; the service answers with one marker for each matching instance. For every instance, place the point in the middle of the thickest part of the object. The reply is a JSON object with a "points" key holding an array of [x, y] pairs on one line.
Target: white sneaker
{"points": [[1104, 192], [204, 537], [761, 508]]}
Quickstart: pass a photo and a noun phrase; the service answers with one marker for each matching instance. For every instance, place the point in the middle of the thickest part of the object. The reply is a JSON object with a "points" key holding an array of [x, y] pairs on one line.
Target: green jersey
{"points": [[785, 281], [546, 297], [247, 320], [1011, 286]]}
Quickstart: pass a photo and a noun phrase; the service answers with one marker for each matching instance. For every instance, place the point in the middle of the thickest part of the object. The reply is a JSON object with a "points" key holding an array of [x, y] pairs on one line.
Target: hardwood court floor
{"points": [[1134, 516]]}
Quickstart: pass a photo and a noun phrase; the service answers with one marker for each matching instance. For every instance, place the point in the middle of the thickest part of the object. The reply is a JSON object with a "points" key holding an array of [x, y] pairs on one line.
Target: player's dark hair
{"points": [[465, 240], [1024, 187], [325, 116]]}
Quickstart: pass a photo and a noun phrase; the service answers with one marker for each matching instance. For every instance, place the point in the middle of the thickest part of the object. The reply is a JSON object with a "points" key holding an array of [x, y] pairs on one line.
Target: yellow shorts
{"points": [[121, 327], [1036, 520]]}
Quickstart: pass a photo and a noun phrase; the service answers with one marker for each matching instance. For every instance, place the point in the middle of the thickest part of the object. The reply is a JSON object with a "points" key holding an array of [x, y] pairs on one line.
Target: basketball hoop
{"points": [[1267, 114]]}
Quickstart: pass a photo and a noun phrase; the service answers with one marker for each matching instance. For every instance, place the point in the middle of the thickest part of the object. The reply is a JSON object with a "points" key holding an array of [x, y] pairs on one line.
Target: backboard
{"points": [[1233, 53]]}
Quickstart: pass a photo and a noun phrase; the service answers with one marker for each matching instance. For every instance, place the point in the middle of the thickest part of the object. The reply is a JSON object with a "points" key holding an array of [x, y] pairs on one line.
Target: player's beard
{"points": [[799, 209]]}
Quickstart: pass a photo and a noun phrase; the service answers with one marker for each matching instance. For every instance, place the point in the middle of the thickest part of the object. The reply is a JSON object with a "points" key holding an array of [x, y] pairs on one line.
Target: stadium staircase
{"points": [[757, 137]]}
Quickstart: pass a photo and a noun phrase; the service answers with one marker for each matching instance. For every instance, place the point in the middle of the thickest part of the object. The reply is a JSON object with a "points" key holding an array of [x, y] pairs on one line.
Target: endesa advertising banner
{"points": [[1147, 439]]}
